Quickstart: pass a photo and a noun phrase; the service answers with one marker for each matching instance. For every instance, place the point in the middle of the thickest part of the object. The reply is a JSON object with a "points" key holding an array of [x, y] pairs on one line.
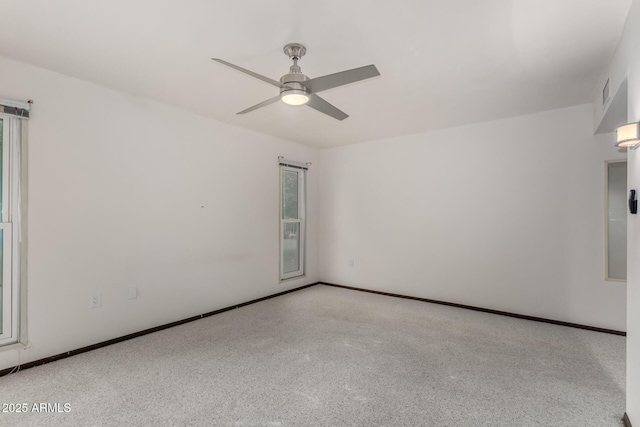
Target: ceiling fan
{"points": [[298, 89]]}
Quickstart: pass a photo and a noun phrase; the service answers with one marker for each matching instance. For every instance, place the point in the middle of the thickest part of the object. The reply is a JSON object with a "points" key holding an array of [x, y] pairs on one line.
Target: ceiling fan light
{"points": [[294, 97], [628, 135]]}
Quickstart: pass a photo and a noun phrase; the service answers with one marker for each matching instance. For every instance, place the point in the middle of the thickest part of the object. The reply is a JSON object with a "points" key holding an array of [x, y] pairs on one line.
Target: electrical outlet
{"points": [[132, 292], [96, 300], [352, 263]]}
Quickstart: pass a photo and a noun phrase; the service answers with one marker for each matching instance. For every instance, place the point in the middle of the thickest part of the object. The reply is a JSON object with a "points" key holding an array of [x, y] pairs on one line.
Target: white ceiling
{"points": [[443, 63]]}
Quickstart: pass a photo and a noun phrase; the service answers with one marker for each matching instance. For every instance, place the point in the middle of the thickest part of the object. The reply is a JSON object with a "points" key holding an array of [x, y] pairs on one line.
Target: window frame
{"points": [[302, 182], [12, 223]]}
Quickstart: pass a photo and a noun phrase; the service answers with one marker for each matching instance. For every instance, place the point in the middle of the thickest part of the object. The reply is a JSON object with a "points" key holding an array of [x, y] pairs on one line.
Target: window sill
{"points": [[14, 346], [288, 279]]}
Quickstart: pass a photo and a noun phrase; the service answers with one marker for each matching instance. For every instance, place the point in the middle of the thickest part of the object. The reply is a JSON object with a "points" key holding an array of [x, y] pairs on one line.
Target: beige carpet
{"points": [[328, 356]]}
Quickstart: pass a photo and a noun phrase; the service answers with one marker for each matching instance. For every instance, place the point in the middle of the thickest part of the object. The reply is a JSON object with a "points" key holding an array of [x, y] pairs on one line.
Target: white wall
{"points": [[626, 63], [506, 215], [631, 37], [124, 191], [633, 268]]}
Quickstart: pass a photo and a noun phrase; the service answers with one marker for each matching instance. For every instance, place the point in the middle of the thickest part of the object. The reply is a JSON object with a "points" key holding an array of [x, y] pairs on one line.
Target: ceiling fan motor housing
{"points": [[293, 81]]}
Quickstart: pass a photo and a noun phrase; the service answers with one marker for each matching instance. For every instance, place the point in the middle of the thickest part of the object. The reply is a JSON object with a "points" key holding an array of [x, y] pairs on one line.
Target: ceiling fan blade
{"points": [[251, 73], [323, 106], [262, 104], [342, 78]]}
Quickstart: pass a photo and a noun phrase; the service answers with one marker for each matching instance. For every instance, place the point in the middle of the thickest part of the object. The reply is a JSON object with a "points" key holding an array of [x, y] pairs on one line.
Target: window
{"points": [[10, 199], [616, 222], [292, 219]]}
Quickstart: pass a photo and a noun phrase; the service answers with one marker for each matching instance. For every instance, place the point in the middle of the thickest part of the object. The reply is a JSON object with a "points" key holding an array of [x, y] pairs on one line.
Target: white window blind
{"points": [[15, 108]]}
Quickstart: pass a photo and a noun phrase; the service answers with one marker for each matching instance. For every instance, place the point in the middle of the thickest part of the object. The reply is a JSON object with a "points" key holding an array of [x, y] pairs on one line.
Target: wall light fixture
{"points": [[628, 135]]}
